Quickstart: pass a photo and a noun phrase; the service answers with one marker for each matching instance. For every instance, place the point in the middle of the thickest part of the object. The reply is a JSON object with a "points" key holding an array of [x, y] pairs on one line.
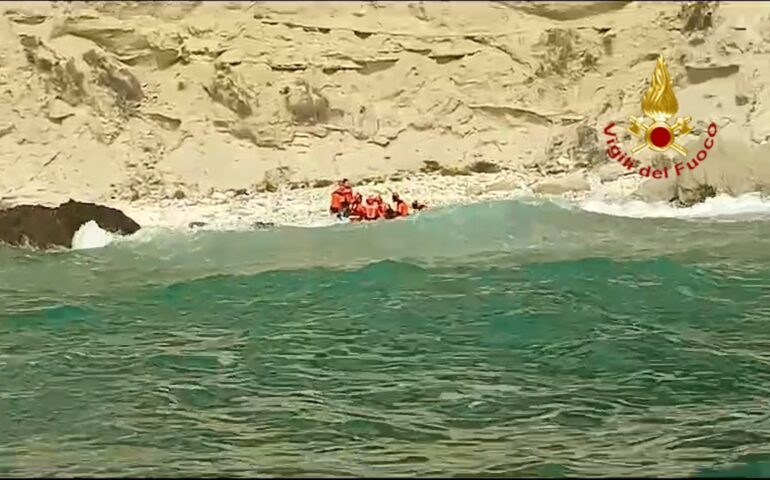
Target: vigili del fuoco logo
{"points": [[655, 132]]}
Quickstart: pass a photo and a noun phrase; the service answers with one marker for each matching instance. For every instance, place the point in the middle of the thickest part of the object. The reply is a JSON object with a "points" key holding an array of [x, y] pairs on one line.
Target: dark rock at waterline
{"points": [[196, 224], [46, 227]]}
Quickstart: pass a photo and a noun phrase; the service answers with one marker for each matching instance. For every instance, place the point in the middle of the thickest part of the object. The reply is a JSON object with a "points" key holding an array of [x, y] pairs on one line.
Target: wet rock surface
{"points": [[44, 227]]}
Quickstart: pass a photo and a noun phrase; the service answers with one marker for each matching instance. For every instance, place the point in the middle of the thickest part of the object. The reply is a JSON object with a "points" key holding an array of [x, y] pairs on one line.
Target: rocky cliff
{"points": [[44, 227], [154, 99]]}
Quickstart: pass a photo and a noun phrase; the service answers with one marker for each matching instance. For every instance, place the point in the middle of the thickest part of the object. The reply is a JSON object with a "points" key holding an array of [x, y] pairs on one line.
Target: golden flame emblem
{"points": [[660, 104]]}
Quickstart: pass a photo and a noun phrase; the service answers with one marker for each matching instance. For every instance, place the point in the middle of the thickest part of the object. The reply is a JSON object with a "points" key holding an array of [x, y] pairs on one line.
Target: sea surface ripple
{"points": [[509, 338]]}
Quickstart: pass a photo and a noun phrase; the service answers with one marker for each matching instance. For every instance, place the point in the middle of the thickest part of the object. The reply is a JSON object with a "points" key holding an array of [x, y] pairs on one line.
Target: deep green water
{"points": [[497, 339]]}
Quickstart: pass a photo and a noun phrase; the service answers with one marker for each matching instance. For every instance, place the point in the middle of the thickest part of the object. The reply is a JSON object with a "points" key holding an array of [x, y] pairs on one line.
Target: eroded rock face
{"points": [[307, 105], [230, 90], [200, 95], [112, 75], [45, 227], [93, 79], [132, 43], [732, 167]]}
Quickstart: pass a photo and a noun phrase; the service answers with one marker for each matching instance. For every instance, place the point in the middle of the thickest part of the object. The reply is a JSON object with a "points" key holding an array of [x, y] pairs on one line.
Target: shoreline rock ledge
{"points": [[44, 227]]}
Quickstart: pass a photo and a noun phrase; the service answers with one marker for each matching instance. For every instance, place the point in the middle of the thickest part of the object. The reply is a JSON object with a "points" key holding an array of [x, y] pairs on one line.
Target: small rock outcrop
{"points": [[43, 227], [573, 182]]}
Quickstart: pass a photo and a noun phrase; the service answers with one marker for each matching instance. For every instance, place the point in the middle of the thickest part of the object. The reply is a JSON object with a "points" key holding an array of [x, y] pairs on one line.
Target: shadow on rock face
{"points": [[43, 227]]}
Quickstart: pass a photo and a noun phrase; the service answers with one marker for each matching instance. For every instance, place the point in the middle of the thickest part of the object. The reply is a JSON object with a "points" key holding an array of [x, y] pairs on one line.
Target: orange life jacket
{"points": [[347, 194], [357, 213], [371, 211], [402, 208], [357, 210], [340, 197], [337, 201]]}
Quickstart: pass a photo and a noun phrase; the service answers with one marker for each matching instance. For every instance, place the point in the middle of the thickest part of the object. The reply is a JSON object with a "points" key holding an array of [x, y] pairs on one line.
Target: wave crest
{"points": [[90, 235]]}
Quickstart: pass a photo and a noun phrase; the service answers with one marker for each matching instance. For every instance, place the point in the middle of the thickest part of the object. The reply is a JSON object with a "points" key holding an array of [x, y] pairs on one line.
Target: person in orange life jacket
{"points": [[348, 191], [356, 210], [371, 209], [385, 210], [402, 209], [389, 212], [342, 196]]}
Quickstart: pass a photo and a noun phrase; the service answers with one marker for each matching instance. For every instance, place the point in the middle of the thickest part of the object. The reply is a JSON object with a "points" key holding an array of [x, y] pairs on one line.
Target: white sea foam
{"points": [[242, 215], [721, 206], [90, 235]]}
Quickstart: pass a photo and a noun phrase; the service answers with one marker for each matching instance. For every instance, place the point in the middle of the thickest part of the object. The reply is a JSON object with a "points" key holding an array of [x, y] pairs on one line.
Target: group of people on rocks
{"points": [[347, 204]]}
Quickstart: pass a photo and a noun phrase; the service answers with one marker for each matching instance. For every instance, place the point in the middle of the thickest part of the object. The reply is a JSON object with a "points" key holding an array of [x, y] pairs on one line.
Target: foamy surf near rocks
{"points": [[44, 227], [90, 236]]}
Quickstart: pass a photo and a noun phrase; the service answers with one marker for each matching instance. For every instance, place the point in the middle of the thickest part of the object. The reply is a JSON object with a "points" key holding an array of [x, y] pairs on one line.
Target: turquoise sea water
{"points": [[496, 339]]}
